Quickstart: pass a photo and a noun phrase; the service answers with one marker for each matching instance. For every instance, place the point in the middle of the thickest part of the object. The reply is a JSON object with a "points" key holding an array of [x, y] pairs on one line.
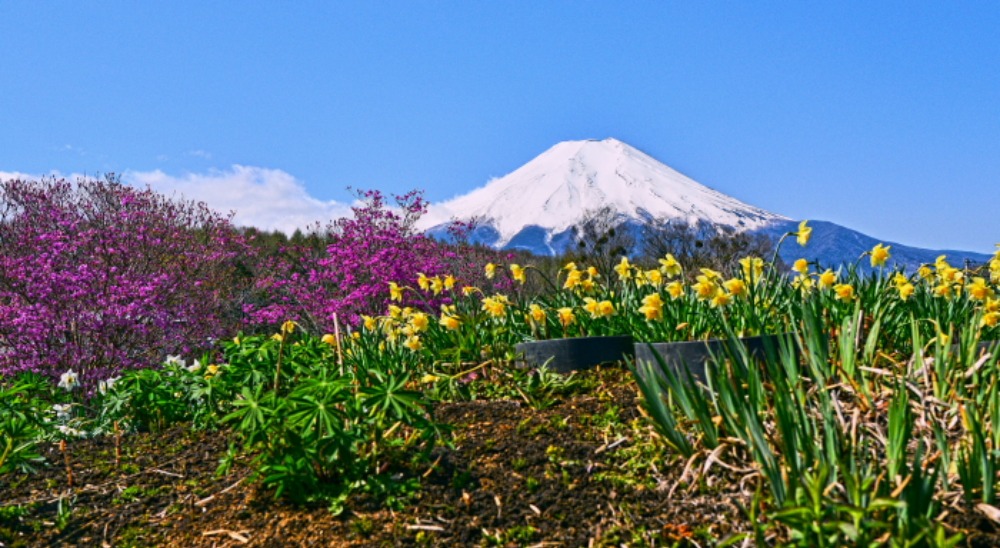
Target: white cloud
{"points": [[269, 199]]}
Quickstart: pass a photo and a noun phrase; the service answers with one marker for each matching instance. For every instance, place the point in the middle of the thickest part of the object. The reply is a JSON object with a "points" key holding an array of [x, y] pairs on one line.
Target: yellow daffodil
{"points": [[899, 279], [517, 271], [413, 343], [880, 254], [844, 292], [469, 290], [329, 339], [652, 307], [395, 312], [449, 282], [428, 378], [670, 266], [711, 274], [803, 282], [654, 277], [570, 266], [451, 323], [491, 270], [536, 313], [827, 279], [804, 233], [587, 285], [721, 298], [925, 273], [590, 306], [593, 273], [624, 269], [423, 282], [395, 292], [496, 305], [573, 278], [943, 290], [277, 337], [991, 305], [419, 321], [605, 309], [990, 319], [801, 266], [675, 290], [369, 322], [753, 268], [978, 289], [236, 341], [905, 290], [288, 327], [705, 288], [735, 286], [437, 285], [566, 316]]}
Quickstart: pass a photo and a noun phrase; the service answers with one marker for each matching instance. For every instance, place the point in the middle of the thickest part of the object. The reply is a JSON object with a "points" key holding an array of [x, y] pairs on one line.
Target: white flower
{"points": [[106, 385], [69, 380], [194, 367], [174, 360], [70, 431], [62, 410]]}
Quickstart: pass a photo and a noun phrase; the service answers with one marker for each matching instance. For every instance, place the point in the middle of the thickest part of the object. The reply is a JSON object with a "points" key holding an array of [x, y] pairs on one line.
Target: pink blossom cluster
{"points": [[351, 276], [97, 277]]}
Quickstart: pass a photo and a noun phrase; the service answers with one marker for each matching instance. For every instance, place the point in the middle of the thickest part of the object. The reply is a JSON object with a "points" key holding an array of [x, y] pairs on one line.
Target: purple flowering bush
{"points": [[97, 277], [351, 275]]}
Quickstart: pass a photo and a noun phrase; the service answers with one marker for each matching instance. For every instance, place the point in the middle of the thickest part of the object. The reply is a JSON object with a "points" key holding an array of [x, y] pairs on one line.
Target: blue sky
{"points": [[883, 117]]}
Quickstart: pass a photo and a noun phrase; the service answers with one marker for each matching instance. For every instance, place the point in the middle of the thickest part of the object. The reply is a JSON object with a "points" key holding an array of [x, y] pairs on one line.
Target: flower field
{"points": [[366, 390]]}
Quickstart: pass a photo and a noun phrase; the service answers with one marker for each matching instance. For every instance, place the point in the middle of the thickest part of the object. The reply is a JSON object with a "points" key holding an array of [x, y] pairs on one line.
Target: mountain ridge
{"points": [[536, 206]]}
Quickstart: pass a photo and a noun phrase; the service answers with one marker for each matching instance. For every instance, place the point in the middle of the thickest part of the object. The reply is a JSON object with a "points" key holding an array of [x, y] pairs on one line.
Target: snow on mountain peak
{"points": [[558, 188]]}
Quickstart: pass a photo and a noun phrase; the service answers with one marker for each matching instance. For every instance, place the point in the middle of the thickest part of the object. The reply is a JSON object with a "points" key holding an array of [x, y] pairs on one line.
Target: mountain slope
{"points": [[556, 190], [537, 206]]}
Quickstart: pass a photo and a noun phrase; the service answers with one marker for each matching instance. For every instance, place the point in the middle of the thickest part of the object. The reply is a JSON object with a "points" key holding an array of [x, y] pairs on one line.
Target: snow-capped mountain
{"points": [[536, 204]]}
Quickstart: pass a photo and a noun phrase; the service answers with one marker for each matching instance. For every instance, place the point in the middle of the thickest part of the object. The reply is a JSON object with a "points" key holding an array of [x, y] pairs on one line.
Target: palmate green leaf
{"points": [[250, 414], [390, 399]]}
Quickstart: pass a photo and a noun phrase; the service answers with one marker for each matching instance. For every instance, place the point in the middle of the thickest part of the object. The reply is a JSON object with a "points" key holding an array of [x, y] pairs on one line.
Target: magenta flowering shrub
{"points": [[97, 277], [351, 275]]}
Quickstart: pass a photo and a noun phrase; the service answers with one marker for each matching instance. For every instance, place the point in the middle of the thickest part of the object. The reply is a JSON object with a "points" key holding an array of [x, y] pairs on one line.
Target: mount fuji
{"points": [[537, 206]]}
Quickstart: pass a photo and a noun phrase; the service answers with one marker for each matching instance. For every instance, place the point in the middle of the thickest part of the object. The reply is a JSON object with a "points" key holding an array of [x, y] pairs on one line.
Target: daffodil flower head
{"points": [[735, 286], [450, 322], [905, 290], [288, 327], [395, 292], [449, 282], [990, 319], [804, 233], [675, 290], [879, 255], [752, 267], [437, 285], [803, 282], [652, 307], [827, 279], [705, 288], [69, 380], [566, 316], [979, 290], [670, 266], [517, 272], [570, 266], [413, 343], [590, 306], [925, 273], [419, 322], [329, 339], [801, 266], [469, 290], [844, 292], [624, 269], [536, 313], [423, 282], [491, 270], [573, 279], [593, 273], [654, 277], [721, 298]]}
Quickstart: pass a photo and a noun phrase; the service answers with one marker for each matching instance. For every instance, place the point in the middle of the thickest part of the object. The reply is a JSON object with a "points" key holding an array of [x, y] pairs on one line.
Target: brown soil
{"points": [[515, 476]]}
